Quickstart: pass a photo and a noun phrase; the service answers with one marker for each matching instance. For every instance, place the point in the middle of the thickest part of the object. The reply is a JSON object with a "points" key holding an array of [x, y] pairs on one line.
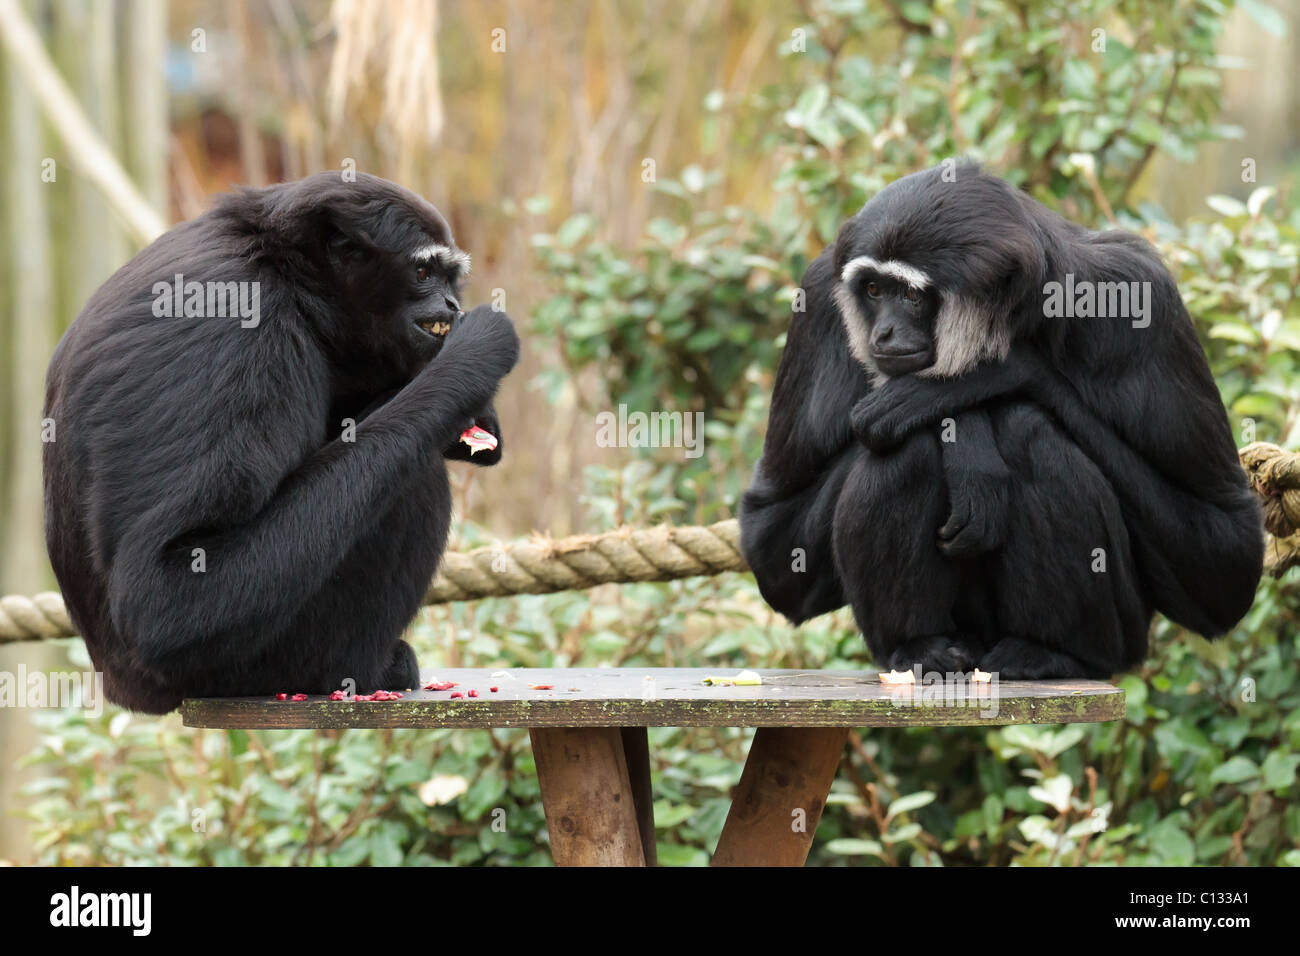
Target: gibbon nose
{"points": [[882, 334]]}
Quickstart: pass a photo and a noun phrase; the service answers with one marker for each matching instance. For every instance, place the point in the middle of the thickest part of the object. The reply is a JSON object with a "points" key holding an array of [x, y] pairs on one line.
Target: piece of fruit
{"points": [[478, 439]]}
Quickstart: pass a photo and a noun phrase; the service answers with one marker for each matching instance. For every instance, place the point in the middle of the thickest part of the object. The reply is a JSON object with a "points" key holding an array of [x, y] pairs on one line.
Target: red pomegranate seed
{"points": [[494, 689], [473, 693], [542, 686], [457, 694], [281, 696], [444, 685], [298, 697], [337, 695]]}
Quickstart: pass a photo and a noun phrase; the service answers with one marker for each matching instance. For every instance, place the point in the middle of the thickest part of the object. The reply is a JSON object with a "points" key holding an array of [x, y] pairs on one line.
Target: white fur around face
{"points": [[450, 260], [855, 325], [965, 334], [893, 268]]}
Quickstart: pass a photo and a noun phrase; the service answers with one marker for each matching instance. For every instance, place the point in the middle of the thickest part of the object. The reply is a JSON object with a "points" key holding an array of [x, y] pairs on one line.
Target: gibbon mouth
{"points": [[436, 330], [895, 356]]}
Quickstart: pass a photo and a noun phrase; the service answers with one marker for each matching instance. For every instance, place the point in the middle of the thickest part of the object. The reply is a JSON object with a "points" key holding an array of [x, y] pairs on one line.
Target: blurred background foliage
{"points": [[646, 200]]}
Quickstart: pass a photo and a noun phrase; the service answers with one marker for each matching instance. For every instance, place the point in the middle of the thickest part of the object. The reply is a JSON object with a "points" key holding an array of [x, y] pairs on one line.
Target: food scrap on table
{"points": [[743, 679], [898, 677]]}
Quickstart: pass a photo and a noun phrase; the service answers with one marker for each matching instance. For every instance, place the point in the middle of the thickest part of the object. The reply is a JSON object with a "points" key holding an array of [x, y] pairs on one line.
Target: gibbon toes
{"points": [[1014, 658], [936, 653], [404, 671]]}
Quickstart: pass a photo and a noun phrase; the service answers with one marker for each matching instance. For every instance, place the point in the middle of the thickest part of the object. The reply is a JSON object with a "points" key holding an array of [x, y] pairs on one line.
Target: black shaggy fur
{"points": [[176, 434], [1073, 434]]}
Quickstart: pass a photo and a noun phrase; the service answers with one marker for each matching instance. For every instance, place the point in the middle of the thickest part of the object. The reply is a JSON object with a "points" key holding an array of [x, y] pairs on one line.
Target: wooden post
{"points": [[591, 811], [636, 748], [779, 801]]}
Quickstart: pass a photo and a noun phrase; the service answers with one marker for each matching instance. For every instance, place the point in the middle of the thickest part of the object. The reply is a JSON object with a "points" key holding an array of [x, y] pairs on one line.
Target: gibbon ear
{"points": [[342, 240], [843, 240], [348, 250], [1023, 276]]}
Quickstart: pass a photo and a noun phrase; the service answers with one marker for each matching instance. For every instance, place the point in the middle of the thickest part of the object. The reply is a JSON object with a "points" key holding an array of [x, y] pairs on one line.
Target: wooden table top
{"points": [[676, 697]]}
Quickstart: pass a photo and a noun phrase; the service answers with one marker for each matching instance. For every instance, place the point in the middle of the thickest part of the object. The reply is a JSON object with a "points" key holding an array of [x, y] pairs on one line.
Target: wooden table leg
{"points": [[591, 810], [636, 748], [782, 791]]}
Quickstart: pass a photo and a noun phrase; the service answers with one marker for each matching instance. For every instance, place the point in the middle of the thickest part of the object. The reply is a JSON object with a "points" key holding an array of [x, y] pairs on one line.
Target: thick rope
{"points": [[531, 566], [1275, 477], [540, 565], [36, 618]]}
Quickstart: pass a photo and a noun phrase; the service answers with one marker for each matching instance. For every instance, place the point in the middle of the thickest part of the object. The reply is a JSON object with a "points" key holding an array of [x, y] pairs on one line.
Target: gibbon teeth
{"points": [[436, 328]]}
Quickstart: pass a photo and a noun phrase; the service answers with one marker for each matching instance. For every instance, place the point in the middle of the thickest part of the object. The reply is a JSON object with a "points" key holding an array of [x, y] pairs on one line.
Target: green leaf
{"points": [[1171, 845], [1235, 770], [238, 741], [812, 101], [913, 801], [992, 810], [1226, 206], [853, 847], [668, 815], [1234, 332], [855, 116], [385, 846], [674, 854], [573, 229], [1279, 770], [1255, 204], [1176, 737], [1135, 698], [1055, 792], [484, 794], [903, 834], [824, 131]]}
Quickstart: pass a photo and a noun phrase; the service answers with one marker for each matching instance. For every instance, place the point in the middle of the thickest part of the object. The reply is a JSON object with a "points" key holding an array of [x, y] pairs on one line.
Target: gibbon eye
{"points": [[873, 290], [422, 274], [912, 295]]}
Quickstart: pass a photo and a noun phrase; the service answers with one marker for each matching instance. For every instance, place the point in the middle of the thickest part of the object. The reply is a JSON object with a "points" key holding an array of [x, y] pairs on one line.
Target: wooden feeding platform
{"points": [[588, 732]]}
